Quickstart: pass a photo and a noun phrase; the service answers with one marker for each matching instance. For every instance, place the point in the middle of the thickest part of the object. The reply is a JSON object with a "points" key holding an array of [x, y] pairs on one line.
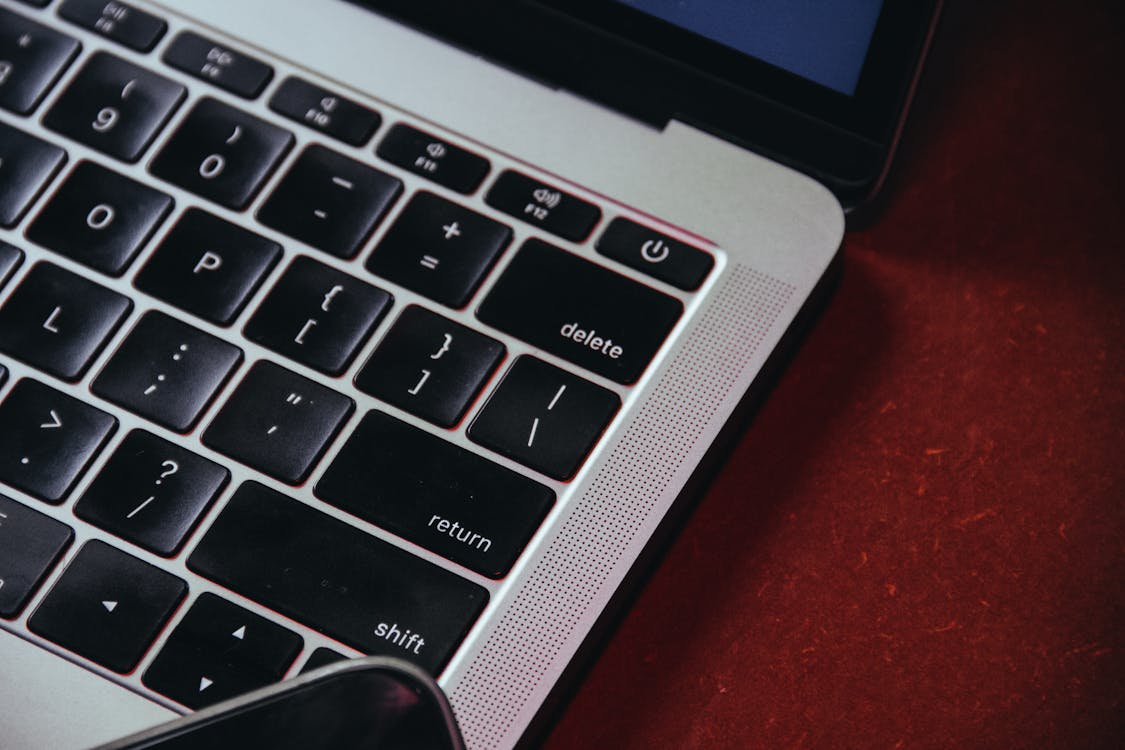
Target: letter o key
{"points": [[100, 217]]}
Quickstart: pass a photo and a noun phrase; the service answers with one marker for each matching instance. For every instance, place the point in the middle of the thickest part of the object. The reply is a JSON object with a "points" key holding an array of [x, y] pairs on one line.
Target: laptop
{"points": [[390, 327]]}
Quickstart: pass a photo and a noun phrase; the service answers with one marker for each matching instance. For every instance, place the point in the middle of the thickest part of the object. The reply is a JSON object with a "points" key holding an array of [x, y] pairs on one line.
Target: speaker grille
{"points": [[582, 565]]}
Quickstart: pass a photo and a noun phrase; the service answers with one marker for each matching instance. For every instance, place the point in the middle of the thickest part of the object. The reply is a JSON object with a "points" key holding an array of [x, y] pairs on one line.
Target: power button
{"points": [[656, 254]]}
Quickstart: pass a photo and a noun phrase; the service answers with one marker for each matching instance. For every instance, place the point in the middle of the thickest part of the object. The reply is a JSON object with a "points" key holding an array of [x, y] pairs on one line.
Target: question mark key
{"points": [[152, 492]]}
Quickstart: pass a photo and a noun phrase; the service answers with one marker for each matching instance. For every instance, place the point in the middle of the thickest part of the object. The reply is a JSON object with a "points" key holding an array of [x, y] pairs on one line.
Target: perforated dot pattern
{"points": [[583, 562]]}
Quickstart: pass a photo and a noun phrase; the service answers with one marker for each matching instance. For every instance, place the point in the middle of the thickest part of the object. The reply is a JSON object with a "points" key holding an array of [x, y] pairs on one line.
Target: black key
{"points": [[166, 371], [355, 588], [543, 205], [47, 439], [121, 22], [10, 259], [100, 218], [322, 657], [58, 321], [544, 417], [278, 422], [208, 266], [329, 201], [210, 61], [222, 154], [107, 606], [220, 650], [656, 254], [434, 158], [114, 106], [430, 366], [32, 57], [317, 315], [325, 110], [439, 249], [30, 545], [151, 492], [26, 165], [436, 494], [580, 311]]}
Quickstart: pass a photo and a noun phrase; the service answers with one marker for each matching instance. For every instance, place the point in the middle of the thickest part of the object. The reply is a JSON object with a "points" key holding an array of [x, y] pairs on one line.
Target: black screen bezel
{"points": [[622, 57]]}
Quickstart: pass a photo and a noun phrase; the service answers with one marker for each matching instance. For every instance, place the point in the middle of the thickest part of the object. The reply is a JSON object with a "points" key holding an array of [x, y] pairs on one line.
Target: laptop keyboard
{"points": [[293, 375]]}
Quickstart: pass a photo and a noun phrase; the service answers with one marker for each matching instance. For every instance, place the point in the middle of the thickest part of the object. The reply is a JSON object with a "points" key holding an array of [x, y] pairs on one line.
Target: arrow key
{"points": [[220, 650], [108, 606], [47, 439]]}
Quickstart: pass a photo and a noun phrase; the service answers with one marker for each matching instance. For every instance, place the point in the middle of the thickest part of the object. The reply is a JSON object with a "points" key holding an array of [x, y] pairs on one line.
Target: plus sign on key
{"points": [[439, 249]]}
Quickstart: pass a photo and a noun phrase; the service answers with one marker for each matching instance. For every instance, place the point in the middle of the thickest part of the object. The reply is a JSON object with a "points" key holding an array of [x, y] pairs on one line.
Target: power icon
{"points": [[654, 251]]}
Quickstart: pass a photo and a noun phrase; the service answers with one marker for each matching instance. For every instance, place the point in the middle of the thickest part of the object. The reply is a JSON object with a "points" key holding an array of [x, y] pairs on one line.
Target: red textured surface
{"points": [[919, 541]]}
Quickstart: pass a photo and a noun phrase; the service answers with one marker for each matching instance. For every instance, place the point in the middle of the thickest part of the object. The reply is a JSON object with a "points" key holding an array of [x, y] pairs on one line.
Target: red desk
{"points": [[919, 541]]}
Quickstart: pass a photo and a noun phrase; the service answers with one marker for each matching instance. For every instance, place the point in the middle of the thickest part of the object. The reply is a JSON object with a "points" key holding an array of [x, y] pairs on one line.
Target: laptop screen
{"points": [[824, 41]]}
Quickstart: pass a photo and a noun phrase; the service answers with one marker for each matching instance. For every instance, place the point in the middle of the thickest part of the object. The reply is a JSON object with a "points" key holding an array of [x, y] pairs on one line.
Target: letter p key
{"points": [[209, 261]]}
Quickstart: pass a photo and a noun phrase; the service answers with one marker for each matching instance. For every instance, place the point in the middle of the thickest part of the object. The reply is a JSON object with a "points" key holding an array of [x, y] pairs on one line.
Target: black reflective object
{"points": [[375, 703]]}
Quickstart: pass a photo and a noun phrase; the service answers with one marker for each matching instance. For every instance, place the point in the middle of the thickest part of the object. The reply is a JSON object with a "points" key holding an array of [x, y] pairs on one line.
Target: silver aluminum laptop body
{"points": [[772, 232]]}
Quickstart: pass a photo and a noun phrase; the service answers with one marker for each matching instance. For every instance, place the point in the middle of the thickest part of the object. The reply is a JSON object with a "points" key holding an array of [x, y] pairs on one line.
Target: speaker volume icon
{"points": [[546, 197]]}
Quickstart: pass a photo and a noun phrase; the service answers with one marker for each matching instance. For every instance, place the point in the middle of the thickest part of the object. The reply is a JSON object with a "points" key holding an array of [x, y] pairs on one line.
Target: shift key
{"points": [[580, 311], [337, 579]]}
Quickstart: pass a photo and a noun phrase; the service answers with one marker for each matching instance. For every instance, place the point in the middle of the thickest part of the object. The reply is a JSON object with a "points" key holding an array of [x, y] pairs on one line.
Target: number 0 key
{"points": [[222, 153]]}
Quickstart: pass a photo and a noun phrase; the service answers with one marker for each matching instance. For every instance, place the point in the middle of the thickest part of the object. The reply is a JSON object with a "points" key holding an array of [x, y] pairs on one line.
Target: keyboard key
{"points": [[121, 22], [544, 417], [430, 366], [108, 606], [114, 106], [439, 249], [215, 63], [278, 422], [317, 315], [167, 371], [222, 154], [10, 259], [433, 158], [151, 492], [322, 657], [333, 577], [580, 311], [99, 218], [30, 545], [32, 57], [208, 266], [220, 650], [26, 165], [543, 205], [656, 254], [329, 201], [324, 110], [58, 321], [435, 494], [47, 439]]}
